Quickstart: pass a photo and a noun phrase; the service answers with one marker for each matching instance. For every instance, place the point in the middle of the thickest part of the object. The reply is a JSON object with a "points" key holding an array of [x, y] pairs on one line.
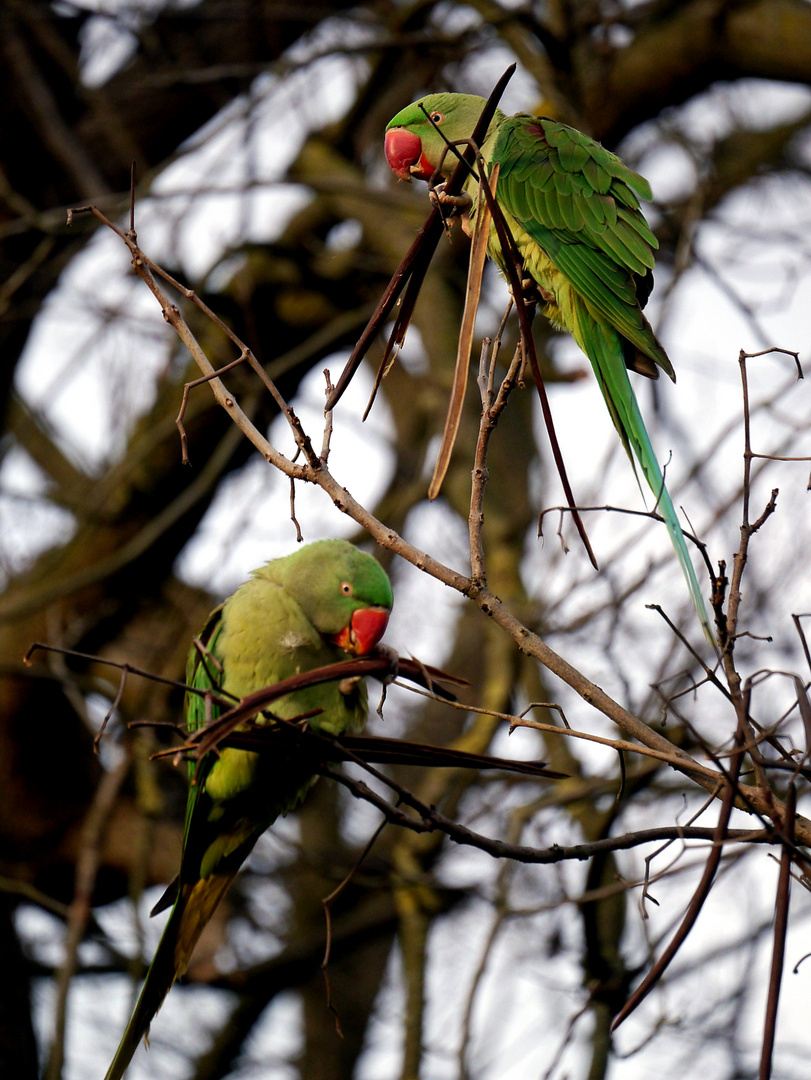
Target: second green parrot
{"points": [[324, 603], [573, 211]]}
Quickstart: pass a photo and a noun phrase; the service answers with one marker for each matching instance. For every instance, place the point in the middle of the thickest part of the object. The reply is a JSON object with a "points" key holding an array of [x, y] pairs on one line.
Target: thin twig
{"points": [[432, 820], [184, 443], [779, 943], [491, 411], [89, 859], [326, 903], [699, 896], [802, 637], [328, 415]]}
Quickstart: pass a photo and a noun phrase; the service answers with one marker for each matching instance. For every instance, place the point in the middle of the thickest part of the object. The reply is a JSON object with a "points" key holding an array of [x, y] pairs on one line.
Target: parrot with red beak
{"points": [[573, 210], [324, 603]]}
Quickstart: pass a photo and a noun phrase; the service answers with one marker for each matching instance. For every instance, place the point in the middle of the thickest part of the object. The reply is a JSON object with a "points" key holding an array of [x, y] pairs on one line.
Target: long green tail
{"points": [[158, 983], [192, 910], [603, 346]]}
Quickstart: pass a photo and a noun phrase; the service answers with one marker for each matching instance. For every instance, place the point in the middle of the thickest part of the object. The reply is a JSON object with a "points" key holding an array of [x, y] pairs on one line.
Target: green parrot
{"points": [[322, 604], [573, 212]]}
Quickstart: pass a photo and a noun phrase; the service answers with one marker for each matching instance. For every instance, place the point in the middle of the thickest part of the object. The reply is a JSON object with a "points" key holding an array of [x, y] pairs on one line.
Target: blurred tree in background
{"points": [[256, 128]]}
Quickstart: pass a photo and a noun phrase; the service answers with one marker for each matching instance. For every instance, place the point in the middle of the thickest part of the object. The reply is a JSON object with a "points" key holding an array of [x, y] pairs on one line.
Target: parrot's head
{"points": [[414, 137], [345, 593]]}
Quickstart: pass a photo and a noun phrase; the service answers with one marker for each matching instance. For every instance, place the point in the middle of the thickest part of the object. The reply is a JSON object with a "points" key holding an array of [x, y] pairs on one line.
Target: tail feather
{"points": [[158, 983], [603, 346], [192, 910]]}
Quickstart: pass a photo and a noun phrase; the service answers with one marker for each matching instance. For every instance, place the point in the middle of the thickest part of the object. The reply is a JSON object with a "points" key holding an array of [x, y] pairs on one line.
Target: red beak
{"points": [[405, 157], [364, 630]]}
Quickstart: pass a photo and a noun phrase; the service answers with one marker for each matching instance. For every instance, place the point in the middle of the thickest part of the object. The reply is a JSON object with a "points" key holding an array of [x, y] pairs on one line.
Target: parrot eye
{"points": [[346, 588], [437, 117]]}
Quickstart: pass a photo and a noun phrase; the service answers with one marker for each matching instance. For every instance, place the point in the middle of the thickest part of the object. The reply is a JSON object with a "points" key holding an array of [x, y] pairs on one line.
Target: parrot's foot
{"points": [[450, 205], [547, 296], [387, 653], [532, 292]]}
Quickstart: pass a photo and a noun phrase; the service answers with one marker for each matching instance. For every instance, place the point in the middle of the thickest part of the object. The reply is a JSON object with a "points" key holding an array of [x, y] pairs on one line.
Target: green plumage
{"points": [[283, 621], [573, 211]]}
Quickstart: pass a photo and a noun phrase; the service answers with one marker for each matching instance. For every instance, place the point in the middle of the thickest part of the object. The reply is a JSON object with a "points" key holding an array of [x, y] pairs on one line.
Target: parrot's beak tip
{"points": [[403, 150], [363, 632]]}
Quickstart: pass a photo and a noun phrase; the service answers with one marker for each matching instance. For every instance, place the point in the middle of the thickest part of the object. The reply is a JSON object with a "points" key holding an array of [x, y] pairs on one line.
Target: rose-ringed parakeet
{"points": [[573, 211], [324, 603]]}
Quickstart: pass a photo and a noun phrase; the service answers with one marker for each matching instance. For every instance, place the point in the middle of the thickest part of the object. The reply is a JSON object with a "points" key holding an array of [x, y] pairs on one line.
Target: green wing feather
{"points": [[577, 202], [579, 227]]}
